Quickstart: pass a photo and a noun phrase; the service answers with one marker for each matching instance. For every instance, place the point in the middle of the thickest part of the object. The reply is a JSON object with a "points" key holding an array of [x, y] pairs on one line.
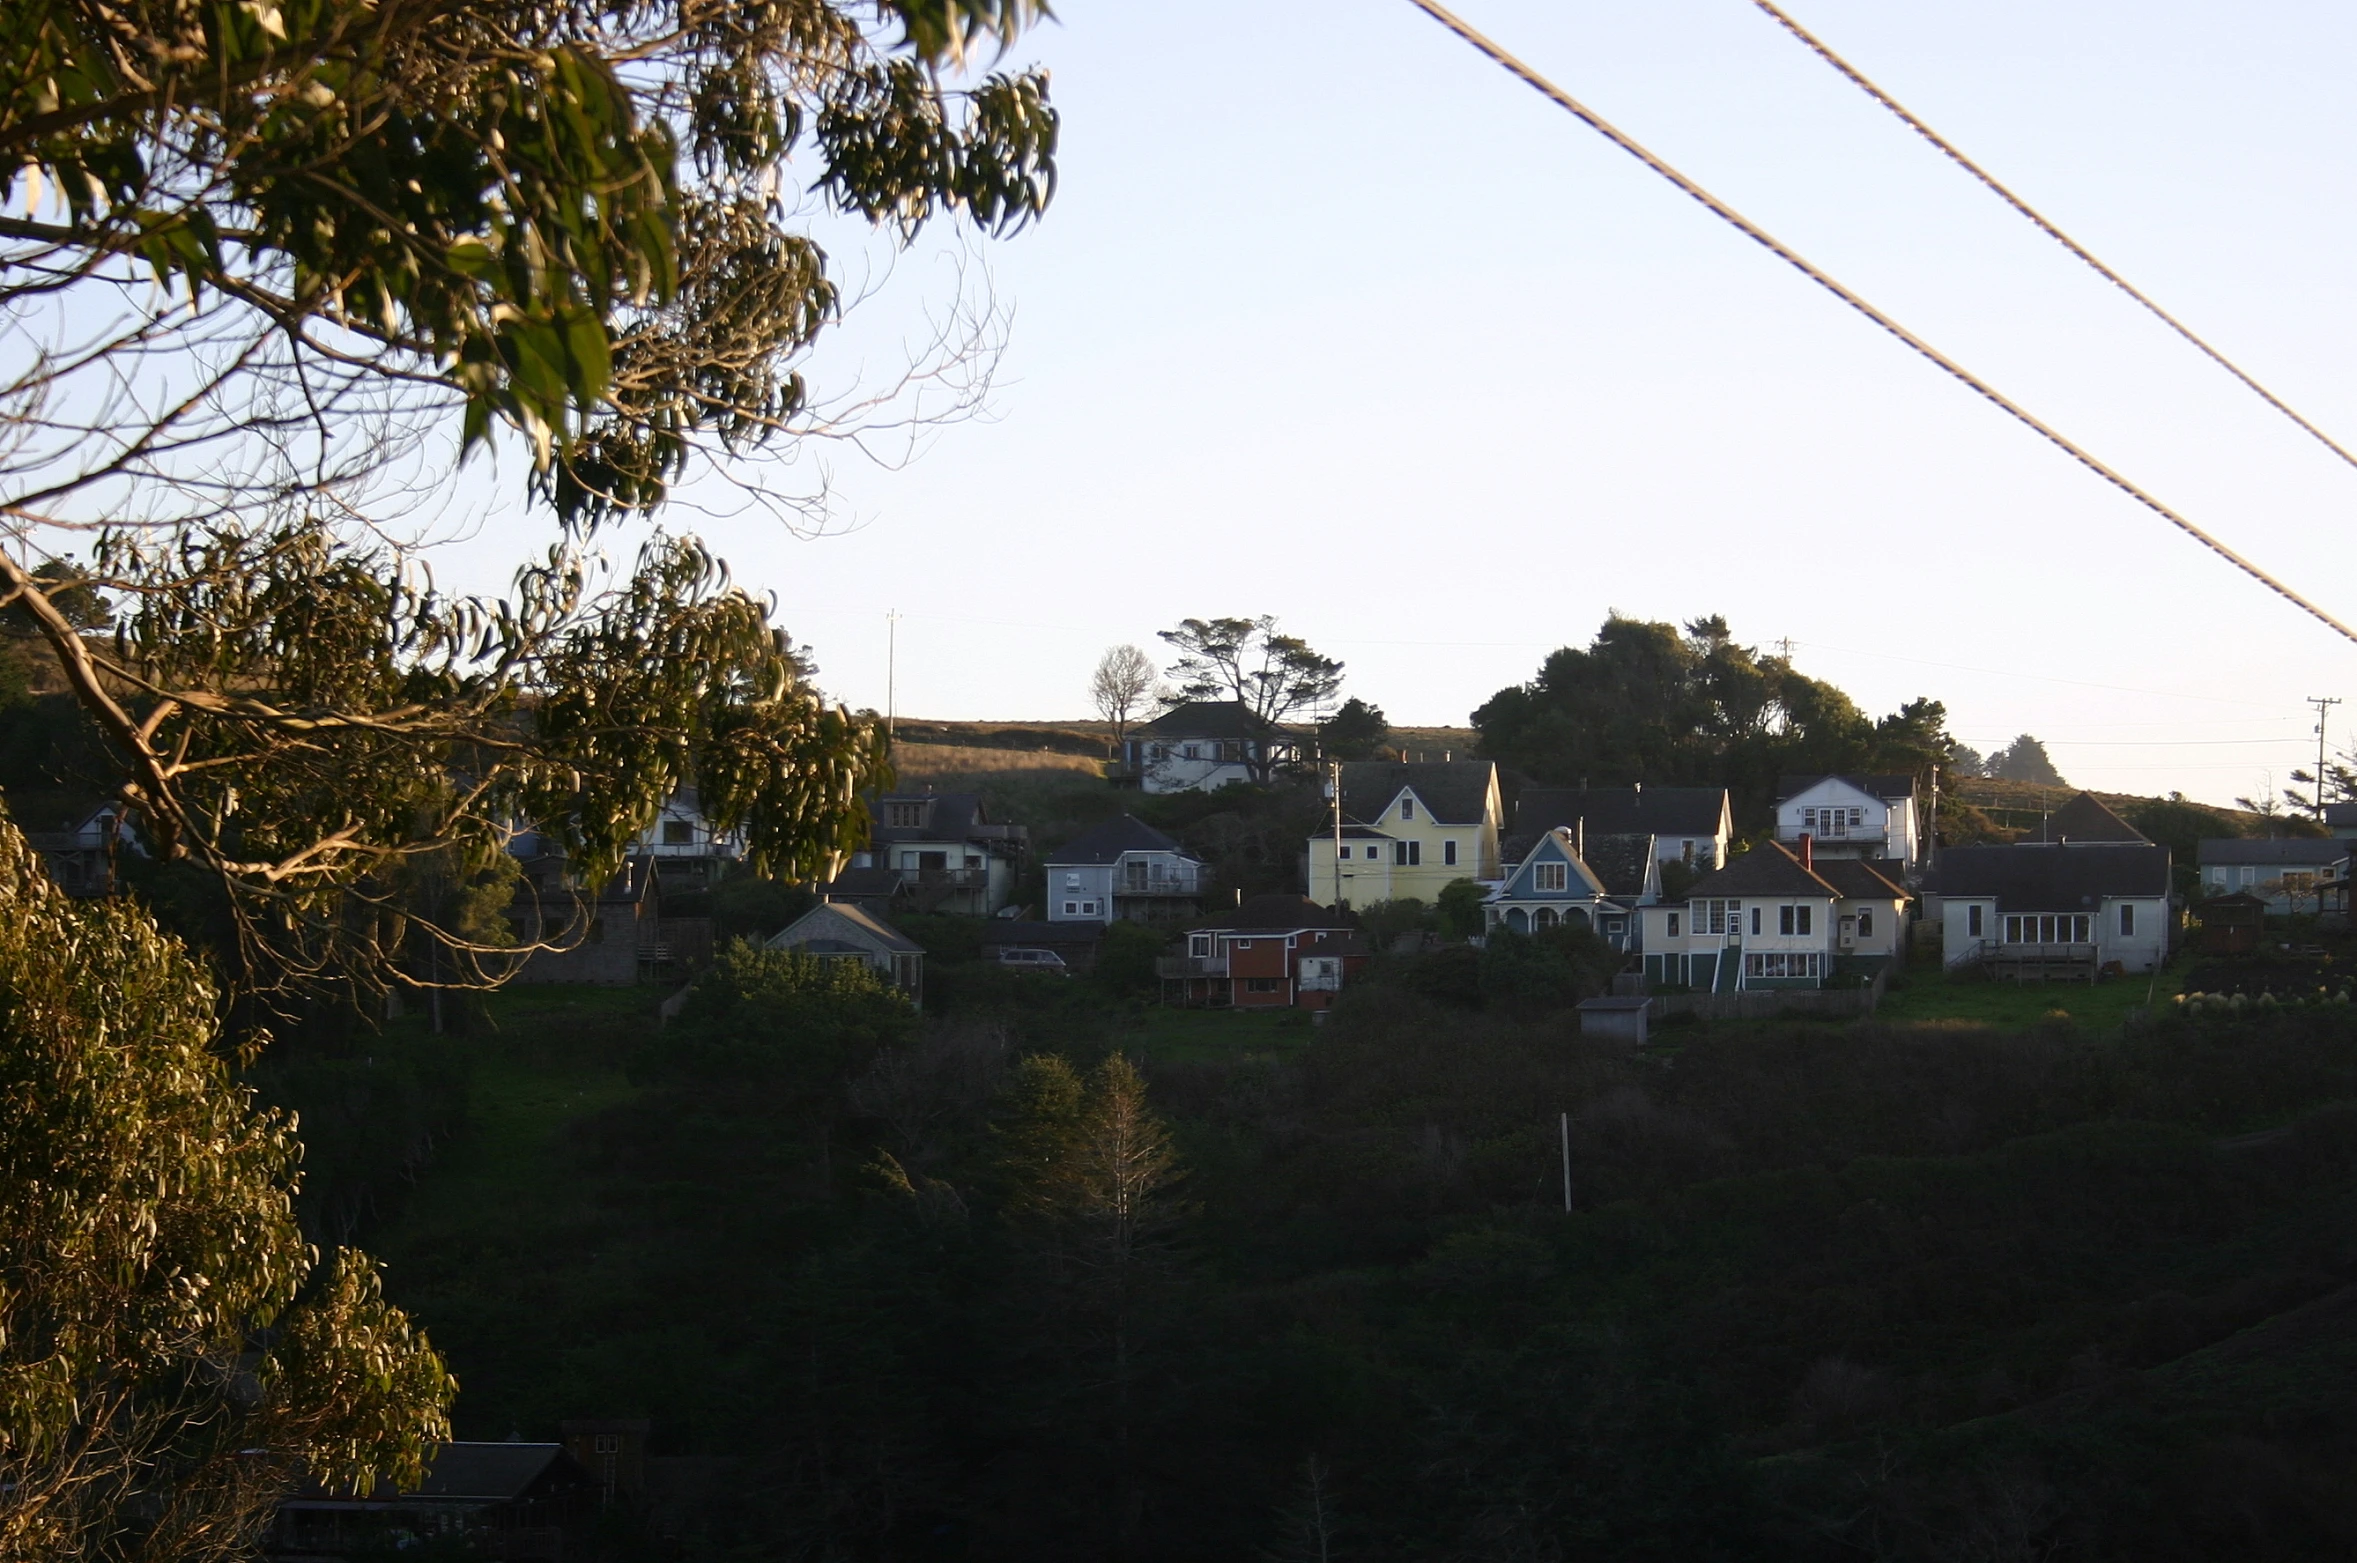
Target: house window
{"points": [[1808, 819], [1199, 946], [2250, 876], [1673, 928], [1804, 919], [609, 1443], [1448, 853], [1407, 807], [678, 833], [2059, 928], [1784, 921], [1072, 909], [1088, 908], [904, 816], [1407, 854], [1755, 922], [1972, 920], [1189, 752], [2127, 919], [1865, 922], [1263, 984], [1549, 876], [1782, 965], [1857, 816], [1615, 924]]}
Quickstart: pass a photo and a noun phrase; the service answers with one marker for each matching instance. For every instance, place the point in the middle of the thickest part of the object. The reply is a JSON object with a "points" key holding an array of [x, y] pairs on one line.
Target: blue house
{"points": [[1554, 886]]}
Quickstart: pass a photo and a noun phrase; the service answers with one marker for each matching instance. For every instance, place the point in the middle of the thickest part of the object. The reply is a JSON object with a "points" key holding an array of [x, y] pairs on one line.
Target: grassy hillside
{"points": [[2048, 1283]]}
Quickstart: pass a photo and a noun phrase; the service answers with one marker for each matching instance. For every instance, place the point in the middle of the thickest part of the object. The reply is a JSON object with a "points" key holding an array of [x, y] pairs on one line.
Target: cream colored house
{"points": [[1408, 831]]}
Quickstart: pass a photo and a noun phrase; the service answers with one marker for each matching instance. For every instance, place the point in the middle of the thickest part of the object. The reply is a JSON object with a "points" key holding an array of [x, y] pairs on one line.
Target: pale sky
{"points": [[1332, 319]]}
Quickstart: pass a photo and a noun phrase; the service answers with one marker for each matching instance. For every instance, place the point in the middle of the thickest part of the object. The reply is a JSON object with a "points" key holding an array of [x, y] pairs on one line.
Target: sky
{"points": [[1332, 319]]}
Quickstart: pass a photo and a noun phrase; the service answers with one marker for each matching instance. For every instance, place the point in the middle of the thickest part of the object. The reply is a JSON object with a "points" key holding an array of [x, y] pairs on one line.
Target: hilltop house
{"points": [[1689, 825], [835, 930], [1122, 871], [2290, 874], [1274, 951], [2086, 822], [1776, 918], [505, 1500], [1202, 745], [1409, 829], [934, 852], [1554, 885], [1855, 817], [2048, 909]]}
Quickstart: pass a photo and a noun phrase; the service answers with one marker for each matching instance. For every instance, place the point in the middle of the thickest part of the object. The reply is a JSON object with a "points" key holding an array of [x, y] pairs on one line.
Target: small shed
{"points": [[837, 930], [1620, 1018], [2231, 924]]}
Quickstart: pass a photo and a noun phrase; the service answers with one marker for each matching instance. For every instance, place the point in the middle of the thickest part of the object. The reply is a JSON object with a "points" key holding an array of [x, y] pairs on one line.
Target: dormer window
{"points": [[904, 816], [1549, 876]]}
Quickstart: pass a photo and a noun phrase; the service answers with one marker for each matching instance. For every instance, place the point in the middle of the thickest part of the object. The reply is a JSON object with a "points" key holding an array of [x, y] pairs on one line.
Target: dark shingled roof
{"points": [[1622, 811], [1620, 862], [1887, 786], [490, 1471], [1208, 719], [953, 816], [1105, 843], [2285, 851], [1280, 913], [1767, 869], [2038, 877], [861, 884], [2340, 816], [1862, 879], [857, 916], [2084, 820], [1455, 791]]}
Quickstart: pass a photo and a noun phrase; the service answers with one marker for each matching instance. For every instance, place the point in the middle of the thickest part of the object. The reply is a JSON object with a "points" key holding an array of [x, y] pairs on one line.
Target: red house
{"points": [[1273, 952]]}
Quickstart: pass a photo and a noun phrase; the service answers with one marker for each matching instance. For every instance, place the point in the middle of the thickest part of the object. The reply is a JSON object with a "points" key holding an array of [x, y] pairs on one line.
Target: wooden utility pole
{"points": [[1567, 1164], [1334, 769], [891, 672], [2322, 705]]}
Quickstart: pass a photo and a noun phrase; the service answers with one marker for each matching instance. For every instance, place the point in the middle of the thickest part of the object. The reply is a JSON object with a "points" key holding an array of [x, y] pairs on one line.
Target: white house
{"points": [[683, 830], [1774, 918], [1690, 825], [2288, 873], [1853, 816], [943, 851], [1203, 745], [2054, 908], [1122, 871]]}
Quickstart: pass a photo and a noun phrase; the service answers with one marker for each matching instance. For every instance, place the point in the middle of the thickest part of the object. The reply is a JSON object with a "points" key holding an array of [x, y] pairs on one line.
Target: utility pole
{"points": [[1567, 1164], [1334, 770], [2322, 705], [891, 671]]}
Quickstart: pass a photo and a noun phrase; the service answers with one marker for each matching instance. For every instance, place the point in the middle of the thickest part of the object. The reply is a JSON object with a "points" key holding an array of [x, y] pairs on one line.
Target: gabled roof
{"points": [[1209, 719], [811, 928], [1767, 869], [1107, 842], [949, 816], [1622, 811], [861, 884], [2084, 821], [1554, 847], [1889, 786], [2293, 851], [1622, 862], [1863, 879], [2041, 877], [1454, 792]]}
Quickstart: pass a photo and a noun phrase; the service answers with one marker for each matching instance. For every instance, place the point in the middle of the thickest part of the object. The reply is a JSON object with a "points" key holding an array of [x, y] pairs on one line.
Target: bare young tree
{"points": [[1120, 687]]}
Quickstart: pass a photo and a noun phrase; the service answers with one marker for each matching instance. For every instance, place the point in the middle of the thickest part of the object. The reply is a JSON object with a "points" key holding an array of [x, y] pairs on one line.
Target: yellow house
{"points": [[1408, 829]]}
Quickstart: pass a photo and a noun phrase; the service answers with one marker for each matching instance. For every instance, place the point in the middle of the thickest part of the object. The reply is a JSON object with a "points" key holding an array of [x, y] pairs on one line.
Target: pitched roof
{"points": [[2042, 877], [1557, 844], [1280, 912], [2280, 850], [864, 921], [1623, 811], [2084, 820], [1862, 879], [1886, 786], [489, 1471], [1456, 792], [1621, 861], [1767, 869], [949, 816], [1209, 719], [861, 884], [1105, 843]]}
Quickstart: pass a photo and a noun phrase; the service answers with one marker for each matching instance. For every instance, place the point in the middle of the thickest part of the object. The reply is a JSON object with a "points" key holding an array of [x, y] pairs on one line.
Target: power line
{"points": [[1760, 236], [1955, 155]]}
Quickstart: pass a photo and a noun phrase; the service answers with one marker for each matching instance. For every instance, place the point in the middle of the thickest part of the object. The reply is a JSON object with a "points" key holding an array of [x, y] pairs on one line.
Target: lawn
{"points": [[1930, 996], [1194, 1036]]}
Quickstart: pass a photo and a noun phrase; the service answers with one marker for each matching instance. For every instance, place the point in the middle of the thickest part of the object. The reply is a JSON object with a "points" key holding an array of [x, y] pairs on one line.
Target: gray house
{"points": [[612, 937], [2046, 909], [2288, 873], [835, 930], [1122, 871], [1689, 825], [936, 852]]}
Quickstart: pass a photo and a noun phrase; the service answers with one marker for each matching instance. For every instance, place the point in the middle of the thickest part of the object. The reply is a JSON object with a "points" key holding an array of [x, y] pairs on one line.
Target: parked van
{"points": [[1022, 958]]}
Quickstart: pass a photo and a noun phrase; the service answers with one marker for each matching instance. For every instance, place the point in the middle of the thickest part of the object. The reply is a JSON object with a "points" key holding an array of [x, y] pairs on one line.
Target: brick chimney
{"points": [[1808, 851]]}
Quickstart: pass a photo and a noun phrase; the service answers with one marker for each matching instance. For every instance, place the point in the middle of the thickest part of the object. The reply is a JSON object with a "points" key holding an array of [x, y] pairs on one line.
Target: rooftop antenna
{"points": [[891, 671]]}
